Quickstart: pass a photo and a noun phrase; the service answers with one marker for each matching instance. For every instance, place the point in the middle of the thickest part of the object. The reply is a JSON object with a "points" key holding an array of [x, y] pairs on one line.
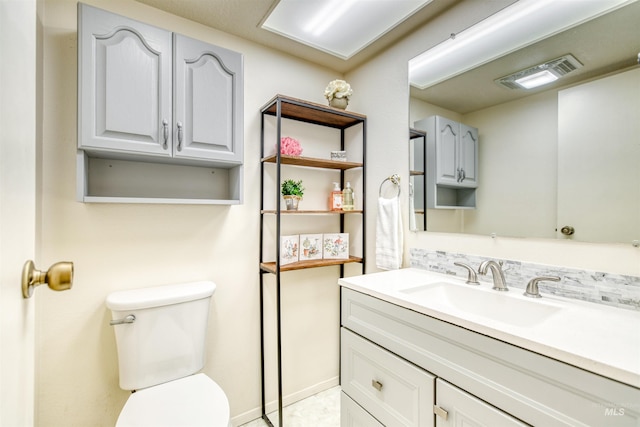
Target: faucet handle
{"points": [[472, 279], [532, 287]]}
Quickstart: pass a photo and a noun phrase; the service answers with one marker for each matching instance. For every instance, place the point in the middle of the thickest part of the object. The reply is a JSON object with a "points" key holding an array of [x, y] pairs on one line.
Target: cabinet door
{"points": [[468, 156], [463, 409], [208, 94], [447, 140], [124, 84], [352, 414]]}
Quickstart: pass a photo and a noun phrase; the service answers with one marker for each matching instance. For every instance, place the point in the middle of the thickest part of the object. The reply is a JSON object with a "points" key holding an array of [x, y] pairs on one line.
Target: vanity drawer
{"points": [[394, 391]]}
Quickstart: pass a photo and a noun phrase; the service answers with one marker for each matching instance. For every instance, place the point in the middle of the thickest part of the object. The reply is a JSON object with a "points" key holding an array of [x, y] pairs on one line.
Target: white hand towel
{"points": [[412, 213], [389, 234]]}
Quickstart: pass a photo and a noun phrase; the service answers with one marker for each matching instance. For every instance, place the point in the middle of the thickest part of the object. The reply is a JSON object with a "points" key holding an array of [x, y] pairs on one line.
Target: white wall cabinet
{"points": [[452, 163], [146, 94], [479, 381]]}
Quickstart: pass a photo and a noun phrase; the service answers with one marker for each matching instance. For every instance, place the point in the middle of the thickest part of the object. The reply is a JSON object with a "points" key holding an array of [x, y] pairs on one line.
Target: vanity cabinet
{"points": [[478, 380], [452, 163], [147, 95]]}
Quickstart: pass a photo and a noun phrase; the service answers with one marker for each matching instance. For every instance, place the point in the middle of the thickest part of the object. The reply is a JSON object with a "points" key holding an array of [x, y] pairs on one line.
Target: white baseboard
{"points": [[289, 399]]}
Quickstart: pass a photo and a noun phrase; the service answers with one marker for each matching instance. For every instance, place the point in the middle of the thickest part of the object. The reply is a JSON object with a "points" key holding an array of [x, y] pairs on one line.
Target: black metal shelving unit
{"points": [[284, 107], [418, 174]]}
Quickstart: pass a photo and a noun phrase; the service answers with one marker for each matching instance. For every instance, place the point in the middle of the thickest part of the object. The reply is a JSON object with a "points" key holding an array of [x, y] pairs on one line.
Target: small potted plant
{"points": [[292, 191], [338, 93]]}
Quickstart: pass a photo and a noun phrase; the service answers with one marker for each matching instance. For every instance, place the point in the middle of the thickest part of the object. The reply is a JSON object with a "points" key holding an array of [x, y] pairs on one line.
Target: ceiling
{"points": [[606, 44], [243, 18], [603, 45]]}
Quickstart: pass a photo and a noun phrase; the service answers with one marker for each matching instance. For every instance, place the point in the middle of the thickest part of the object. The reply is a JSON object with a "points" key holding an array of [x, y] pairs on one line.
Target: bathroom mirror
{"points": [[544, 166]]}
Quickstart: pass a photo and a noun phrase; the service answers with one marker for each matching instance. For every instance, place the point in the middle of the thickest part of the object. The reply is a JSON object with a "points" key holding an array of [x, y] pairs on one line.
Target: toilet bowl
{"points": [[193, 401], [160, 337]]}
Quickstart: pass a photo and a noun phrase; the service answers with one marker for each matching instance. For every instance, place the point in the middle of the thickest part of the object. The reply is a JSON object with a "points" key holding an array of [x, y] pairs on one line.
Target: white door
{"points": [[17, 207]]}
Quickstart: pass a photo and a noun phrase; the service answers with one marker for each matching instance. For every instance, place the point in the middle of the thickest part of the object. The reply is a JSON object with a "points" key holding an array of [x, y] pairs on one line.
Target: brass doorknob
{"points": [[59, 277], [567, 230]]}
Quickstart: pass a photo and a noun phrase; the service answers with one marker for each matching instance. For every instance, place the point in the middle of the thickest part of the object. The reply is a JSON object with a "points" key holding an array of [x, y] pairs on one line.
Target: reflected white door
{"points": [[17, 207]]}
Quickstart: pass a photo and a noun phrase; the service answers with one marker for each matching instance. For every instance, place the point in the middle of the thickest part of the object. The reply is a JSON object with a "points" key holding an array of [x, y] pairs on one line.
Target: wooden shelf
{"points": [[310, 212], [296, 109], [312, 162], [270, 267]]}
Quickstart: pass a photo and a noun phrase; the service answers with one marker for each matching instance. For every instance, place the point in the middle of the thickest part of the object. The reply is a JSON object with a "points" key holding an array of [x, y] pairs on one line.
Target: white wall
{"points": [[518, 164], [118, 246], [381, 92]]}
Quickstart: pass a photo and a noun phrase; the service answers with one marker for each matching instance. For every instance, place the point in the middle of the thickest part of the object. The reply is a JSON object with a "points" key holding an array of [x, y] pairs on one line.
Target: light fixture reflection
{"points": [[521, 24], [538, 79]]}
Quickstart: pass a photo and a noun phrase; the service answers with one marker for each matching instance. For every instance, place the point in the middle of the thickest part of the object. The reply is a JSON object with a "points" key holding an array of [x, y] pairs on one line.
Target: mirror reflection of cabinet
{"points": [[452, 163], [417, 179]]}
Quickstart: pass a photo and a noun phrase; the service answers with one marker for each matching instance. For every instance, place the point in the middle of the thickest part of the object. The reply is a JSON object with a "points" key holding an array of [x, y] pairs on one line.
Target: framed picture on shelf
{"points": [[335, 246], [289, 249], [310, 247]]}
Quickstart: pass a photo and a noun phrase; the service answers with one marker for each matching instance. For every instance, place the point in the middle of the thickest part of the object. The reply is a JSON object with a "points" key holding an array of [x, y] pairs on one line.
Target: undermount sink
{"points": [[489, 304]]}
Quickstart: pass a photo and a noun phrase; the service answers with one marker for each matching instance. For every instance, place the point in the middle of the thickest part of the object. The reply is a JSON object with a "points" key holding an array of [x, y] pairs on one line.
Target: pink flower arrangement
{"points": [[290, 146]]}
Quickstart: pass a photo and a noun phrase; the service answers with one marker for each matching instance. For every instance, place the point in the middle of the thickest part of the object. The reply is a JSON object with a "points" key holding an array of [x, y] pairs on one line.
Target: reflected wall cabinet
{"points": [[452, 163], [160, 115], [283, 110]]}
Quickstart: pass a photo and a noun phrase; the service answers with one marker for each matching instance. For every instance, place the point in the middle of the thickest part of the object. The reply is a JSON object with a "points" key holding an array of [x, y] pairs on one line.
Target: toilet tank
{"points": [[167, 339]]}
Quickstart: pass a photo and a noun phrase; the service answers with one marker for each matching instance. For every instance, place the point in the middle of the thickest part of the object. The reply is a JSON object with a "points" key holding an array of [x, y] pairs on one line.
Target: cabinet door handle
{"points": [[376, 384], [463, 175], [180, 135], [458, 175], [165, 130], [440, 412]]}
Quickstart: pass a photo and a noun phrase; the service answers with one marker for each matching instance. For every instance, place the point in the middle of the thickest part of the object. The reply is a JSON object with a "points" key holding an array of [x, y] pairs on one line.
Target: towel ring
{"points": [[395, 179]]}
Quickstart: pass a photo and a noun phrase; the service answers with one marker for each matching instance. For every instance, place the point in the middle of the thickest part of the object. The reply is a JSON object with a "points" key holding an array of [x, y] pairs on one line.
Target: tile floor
{"points": [[319, 410]]}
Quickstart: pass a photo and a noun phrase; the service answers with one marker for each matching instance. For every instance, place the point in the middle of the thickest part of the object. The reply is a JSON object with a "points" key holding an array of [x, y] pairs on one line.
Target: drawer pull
{"points": [[376, 384], [440, 412]]}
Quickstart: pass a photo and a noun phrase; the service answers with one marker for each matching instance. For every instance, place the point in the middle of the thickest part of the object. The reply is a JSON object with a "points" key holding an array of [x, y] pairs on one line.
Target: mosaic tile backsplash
{"points": [[603, 288]]}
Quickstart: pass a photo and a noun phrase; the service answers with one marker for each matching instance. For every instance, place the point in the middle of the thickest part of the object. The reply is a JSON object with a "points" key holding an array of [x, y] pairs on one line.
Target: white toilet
{"points": [[160, 335]]}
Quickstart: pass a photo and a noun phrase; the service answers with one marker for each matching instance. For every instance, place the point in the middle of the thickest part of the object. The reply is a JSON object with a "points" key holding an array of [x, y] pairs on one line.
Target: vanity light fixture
{"points": [[521, 24], [339, 27]]}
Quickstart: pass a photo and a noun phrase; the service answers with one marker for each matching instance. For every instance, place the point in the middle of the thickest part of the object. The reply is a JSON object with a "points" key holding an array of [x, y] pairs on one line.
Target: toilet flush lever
{"points": [[128, 319]]}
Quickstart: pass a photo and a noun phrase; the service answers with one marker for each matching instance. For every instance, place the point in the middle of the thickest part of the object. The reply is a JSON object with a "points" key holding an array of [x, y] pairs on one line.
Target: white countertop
{"points": [[594, 337]]}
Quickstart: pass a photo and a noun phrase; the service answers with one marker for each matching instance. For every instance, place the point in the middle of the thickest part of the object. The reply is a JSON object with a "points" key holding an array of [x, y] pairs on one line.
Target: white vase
{"points": [[340, 103]]}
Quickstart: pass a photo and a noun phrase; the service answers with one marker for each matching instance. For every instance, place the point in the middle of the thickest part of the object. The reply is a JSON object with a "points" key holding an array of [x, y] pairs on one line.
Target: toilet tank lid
{"points": [[157, 296]]}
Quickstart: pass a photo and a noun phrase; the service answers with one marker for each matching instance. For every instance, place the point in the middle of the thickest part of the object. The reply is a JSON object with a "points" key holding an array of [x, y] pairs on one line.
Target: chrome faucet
{"points": [[532, 287], [499, 283], [472, 279]]}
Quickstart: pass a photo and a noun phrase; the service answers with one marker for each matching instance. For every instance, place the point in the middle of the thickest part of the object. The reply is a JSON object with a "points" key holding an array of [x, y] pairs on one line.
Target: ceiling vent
{"points": [[557, 67]]}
